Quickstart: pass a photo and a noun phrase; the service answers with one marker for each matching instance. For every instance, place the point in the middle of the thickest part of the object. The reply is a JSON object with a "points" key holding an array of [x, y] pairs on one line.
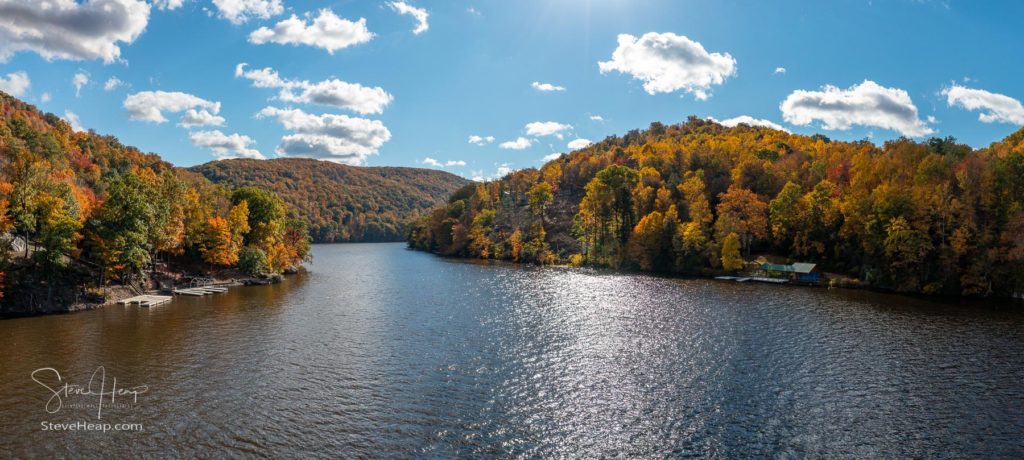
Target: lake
{"points": [[379, 351]]}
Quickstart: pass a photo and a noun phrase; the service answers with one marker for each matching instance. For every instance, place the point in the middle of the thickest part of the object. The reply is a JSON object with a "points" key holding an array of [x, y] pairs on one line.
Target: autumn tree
{"points": [[742, 212], [731, 259]]}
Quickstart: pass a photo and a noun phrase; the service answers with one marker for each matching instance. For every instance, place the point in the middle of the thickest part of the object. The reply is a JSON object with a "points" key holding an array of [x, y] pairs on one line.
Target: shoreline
{"points": [[1008, 301], [117, 293]]}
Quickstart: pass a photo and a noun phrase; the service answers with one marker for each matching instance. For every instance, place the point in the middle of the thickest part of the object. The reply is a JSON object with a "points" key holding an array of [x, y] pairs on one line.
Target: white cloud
{"points": [[326, 31], [437, 164], [994, 107], [334, 92], [202, 117], [168, 4], [79, 80], [473, 11], [779, 70], [73, 120], [596, 118], [66, 29], [551, 157], [15, 83], [112, 83], [225, 146], [546, 87], [749, 120], [503, 170], [419, 13], [546, 128], [480, 140], [240, 11], [45, 97], [337, 138], [150, 105], [519, 144], [866, 104], [668, 62], [579, 144]]}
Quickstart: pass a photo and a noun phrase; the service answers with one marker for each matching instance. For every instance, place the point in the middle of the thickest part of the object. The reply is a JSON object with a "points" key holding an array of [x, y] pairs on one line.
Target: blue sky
{"points": [[376, 92]]}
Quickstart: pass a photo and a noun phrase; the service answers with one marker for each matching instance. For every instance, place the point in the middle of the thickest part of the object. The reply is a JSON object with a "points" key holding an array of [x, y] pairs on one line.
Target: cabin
{"points": [[800, 272]]}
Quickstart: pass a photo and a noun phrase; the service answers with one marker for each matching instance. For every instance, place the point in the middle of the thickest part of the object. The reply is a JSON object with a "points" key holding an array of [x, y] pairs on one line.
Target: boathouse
{"points": [[800, 271]]}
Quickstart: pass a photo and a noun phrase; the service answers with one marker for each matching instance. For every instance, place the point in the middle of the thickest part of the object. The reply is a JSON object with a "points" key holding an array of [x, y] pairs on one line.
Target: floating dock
{"points": [[146, 300], [760, 279], [200, 291]]}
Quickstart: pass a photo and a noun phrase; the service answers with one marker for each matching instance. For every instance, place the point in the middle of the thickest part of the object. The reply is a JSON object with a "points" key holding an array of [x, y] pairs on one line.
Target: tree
{"points": [[731, 260], [740, 211], [784, 214], [119, 230], [218, 247], [606, 215], [539, 197]]}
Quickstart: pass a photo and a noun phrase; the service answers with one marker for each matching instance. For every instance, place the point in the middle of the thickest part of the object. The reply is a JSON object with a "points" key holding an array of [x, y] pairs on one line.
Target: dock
{"points": [[146, 300], [200, 291]]}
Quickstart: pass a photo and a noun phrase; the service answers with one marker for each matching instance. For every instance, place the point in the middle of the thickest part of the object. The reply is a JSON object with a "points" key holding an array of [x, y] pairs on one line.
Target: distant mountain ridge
{"points": [[341, 202]]}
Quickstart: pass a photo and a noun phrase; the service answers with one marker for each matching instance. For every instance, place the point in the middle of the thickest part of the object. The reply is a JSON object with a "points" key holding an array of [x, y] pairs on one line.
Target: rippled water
{"points": [[383, 352]]}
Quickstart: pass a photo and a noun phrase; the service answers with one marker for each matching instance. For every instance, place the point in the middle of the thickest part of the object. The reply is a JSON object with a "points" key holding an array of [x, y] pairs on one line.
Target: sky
{"points": [[479, 88]]}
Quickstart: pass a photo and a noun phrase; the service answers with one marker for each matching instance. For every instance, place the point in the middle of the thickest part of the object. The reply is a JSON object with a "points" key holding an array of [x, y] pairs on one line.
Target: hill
{"points": [[340, 202], [933, 217], [80, 212]]}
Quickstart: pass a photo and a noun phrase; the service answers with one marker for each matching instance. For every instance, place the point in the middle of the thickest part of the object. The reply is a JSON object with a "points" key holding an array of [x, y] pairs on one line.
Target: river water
{"points": [[383, 352]]}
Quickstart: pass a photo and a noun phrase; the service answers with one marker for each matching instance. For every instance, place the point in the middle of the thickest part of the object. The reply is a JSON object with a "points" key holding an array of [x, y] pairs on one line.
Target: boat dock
{"points": [[759, 279], [200, 291], [146, 300]]}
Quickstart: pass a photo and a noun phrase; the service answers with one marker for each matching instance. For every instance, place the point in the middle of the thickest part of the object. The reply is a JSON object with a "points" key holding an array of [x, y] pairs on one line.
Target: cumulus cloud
{"points": [[779, 70], [73, 120], [337, 138], [994, 107], [15, 83], [150, 105], [333, 92], [551, 157], [546, 128], [45, 97], [112, 83], [596, 118], [749, 120], [168, 4], [240, 11], [546, 87], [79, 80], [666, 62], [437, 164], [225, 146], [419, 13], [480, 140], [519, 144], [579, 144], [202, 117], [66, 29], [865, 104], [503, 170], [327, 31]]}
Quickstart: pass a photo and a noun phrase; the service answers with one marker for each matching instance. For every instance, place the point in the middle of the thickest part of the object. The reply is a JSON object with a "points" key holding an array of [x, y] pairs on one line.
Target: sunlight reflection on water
{"points": [[382, 352]]}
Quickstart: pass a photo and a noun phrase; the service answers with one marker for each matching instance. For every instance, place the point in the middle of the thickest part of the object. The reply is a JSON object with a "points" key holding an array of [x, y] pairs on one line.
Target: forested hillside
{"points": [[80, 210], [699, 198], [340, 202]]}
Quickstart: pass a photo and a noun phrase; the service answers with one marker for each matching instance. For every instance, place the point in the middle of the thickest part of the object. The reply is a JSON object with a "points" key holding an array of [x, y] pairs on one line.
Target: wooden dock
{"points": [[200, 291], [146, 300]]}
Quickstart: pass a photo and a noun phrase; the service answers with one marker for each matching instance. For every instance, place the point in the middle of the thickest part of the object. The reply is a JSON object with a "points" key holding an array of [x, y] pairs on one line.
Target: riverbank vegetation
{"points": [[933, 217], [341, 202], [80, 211]]}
